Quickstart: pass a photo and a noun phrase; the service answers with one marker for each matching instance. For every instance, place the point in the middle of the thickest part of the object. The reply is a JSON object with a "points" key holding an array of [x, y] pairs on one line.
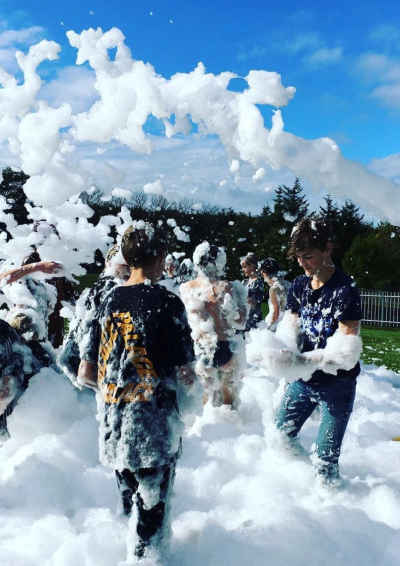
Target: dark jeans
{"points": [[335, 397], [150, 489]]}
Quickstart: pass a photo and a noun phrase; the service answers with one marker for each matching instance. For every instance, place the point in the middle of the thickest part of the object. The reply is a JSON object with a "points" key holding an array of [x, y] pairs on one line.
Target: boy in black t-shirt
{"points": [[133, 363], [325, 312], [11, 373]]}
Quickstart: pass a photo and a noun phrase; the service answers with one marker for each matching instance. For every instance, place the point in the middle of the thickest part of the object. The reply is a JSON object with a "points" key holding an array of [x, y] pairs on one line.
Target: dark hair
{"points": [[269, 266], [33, 257], [310, 232], [251, 259], [142, 243]]}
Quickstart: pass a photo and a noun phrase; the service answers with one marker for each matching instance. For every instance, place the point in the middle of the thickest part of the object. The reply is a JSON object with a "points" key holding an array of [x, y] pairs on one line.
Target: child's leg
{"points": [[153, 503], [127, 486], [297, 405], [336, 402]]}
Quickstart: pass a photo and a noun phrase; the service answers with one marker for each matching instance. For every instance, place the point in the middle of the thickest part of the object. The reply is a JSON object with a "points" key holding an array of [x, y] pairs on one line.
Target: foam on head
{"points": [[209, 260]]}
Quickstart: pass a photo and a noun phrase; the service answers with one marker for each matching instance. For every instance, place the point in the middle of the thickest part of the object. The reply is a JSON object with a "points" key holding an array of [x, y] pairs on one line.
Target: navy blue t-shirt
{"points": [[322, 309]]}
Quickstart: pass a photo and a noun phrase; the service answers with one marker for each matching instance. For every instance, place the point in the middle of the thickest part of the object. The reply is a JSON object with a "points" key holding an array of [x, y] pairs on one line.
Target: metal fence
{"points": [[380, 307]]}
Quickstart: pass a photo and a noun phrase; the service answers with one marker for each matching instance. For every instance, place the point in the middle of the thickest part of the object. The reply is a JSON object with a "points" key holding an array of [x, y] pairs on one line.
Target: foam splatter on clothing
{"points": [[255, 293], [322, 309], [144, 337]]}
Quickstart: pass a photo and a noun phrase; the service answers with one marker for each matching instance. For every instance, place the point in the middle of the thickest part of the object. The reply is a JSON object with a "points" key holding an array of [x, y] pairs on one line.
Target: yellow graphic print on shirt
{"points": [[121, 323]]}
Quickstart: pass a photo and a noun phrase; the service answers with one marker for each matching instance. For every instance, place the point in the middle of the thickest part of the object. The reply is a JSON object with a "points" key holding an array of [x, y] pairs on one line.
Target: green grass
{"points": [[381, 346], [87, 280]]}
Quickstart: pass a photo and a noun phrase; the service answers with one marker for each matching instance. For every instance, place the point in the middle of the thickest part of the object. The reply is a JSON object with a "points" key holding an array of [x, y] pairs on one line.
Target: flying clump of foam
{"points": [[47, 141]]}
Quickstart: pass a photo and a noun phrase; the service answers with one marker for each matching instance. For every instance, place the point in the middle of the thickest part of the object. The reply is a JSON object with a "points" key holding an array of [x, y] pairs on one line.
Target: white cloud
{"points": [[386, 34], [383, 72], [26, 36], [300, 43], [389, 95], [253, 53], [388, 167], [7, 59], [340, 137], [73, 86], [376, 67], [292, 46], [325, 56], [311, 44], [187, 164], [13, 40]]}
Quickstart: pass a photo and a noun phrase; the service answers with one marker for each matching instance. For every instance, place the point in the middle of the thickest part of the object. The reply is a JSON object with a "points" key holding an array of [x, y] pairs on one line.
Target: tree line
{"points": [[368, 252]]}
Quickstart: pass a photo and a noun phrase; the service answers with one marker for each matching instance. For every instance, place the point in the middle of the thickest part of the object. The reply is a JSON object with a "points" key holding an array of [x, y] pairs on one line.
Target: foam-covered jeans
{"points": [[149, 490], [335, 397]]}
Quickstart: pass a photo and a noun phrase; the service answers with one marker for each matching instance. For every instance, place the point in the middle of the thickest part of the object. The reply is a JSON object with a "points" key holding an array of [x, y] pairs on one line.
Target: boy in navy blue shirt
{"points": [[324, 306]]}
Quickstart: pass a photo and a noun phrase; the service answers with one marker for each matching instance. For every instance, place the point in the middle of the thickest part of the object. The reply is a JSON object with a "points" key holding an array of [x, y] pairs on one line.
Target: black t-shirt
{"points": [[144, 335], [322, 309], [11, 362]]}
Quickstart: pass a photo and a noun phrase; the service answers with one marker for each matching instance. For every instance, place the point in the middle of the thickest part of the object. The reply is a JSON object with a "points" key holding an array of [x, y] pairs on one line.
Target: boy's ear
{"points": [[329, 247]]}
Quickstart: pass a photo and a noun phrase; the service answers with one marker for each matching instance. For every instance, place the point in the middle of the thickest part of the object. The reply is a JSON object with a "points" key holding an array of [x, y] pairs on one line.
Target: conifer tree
{"points": [[350, 223], [11, 188], [331, 210], [294, 202]]}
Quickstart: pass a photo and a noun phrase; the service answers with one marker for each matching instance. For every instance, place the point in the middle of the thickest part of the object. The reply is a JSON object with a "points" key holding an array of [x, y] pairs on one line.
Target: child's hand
{"points": [[51, 267]]}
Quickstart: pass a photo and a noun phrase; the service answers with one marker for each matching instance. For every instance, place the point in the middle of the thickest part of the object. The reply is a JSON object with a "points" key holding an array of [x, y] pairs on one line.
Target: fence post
{"points": [[382, 306]]}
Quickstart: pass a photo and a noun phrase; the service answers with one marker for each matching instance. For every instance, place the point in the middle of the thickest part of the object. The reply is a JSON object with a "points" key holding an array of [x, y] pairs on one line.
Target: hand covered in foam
{"points": [[279, 356]]}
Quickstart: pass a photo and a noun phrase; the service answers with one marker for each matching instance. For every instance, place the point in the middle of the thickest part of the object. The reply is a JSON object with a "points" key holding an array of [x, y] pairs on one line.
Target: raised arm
{"points": [[12, 275]]}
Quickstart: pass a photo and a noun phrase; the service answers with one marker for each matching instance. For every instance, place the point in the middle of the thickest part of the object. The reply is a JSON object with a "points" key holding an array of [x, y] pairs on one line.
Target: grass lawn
{"points": [[381, 346], [87, 280]]}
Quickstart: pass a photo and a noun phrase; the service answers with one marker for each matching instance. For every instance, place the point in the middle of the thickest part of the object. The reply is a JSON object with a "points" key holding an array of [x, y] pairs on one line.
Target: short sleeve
{"points": [[348, 304], [292, 302], [180, 341], [90, 342]]}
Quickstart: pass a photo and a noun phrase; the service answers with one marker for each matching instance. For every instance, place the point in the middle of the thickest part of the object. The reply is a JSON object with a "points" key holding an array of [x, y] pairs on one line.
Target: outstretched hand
{"points": [[51, 267]]}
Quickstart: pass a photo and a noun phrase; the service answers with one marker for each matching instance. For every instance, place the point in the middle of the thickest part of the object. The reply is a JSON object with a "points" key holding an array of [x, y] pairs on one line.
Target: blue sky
{"points": [[343, 58]]}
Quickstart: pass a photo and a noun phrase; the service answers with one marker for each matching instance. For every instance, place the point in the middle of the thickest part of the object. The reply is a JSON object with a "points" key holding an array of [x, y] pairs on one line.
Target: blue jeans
{"points": [[335, 397]]}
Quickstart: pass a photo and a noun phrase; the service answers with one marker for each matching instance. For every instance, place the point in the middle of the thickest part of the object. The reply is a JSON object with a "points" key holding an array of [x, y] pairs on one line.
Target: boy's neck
{"points": [[141, 275], [319, 279]]}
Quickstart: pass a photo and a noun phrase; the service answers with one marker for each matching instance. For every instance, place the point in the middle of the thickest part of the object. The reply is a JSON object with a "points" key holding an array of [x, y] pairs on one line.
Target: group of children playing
{"points": [[141, 347]]}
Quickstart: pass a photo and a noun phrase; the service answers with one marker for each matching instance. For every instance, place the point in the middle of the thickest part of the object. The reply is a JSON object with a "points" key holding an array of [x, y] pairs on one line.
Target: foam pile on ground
{"points": [[239, 495]]}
